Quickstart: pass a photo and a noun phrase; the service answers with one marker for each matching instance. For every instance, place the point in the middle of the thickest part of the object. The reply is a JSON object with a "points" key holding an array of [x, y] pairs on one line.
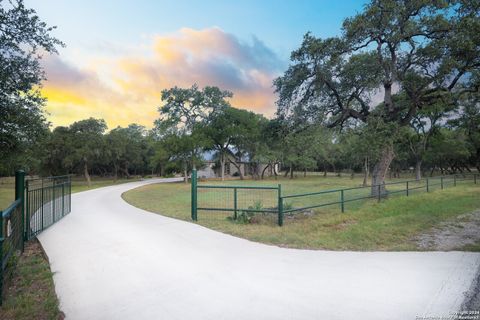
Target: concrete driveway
{"points": [[114, 261]]}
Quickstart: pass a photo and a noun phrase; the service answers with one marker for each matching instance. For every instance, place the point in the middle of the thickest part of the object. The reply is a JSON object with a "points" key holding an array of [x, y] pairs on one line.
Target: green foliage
{"points": [[23, 36], [247, 216], [235, 134], [182, 112], [421, 55], [183, 109]]}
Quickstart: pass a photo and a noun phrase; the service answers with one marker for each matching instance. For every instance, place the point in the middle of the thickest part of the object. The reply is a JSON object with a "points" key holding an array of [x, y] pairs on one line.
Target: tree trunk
{"points": [[305, 173], [115, 174], [380, 170], [366, 172], [185, 173], [291, 171], [418, 169], [222, 166], [256, 174], [265, 169], [127, 174], [162, 171], [239, 169], [194, 166], [388, 96], [85, 172]]}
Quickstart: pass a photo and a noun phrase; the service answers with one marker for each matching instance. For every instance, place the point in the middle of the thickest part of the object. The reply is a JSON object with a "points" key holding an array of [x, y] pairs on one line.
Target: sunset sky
{"points": [[119, 55]]}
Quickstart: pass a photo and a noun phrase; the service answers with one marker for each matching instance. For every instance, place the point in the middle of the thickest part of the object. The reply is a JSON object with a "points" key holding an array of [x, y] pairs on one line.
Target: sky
{"points": [[120, 55]]}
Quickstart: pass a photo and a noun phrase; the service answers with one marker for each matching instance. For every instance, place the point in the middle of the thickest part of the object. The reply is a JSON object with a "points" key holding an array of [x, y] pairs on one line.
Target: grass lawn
{"points": [[30, 292], [366, 225], [7, 187]]}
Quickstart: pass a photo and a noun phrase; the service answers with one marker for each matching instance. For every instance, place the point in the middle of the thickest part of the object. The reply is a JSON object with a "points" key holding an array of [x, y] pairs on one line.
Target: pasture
{"points": [[391, 224]]}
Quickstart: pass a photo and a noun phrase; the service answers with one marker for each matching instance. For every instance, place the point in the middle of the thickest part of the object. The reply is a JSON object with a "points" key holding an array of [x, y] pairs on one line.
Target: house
{"points": [[212, 169]]}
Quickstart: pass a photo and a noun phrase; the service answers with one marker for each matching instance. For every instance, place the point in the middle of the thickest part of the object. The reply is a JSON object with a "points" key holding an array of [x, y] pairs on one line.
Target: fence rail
{"points": [[241, 199], [236, 201], [47, 201], [39, 203]]}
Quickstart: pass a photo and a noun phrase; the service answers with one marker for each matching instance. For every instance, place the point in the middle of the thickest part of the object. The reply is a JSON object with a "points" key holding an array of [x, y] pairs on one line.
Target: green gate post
{"points": [[342, 204], [235, 203], [194, 194], [20, 194], [407, 188], [69, 194], [63, 199], [427, 185], [1, 256], [27, 211], [441, 182], [53, 201], [280, 206], [42, 204]]}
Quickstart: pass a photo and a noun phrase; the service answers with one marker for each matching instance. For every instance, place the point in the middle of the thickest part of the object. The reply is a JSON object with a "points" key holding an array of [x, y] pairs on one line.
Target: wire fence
{"points": [[342, 197], [261, 204], [239, 203]]}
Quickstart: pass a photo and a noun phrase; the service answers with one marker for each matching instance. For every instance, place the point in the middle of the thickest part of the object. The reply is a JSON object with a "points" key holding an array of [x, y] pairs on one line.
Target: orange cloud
{"points": [[127, 88]]}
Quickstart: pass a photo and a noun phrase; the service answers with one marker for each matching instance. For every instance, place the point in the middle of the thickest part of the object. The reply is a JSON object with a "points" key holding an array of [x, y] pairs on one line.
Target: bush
{"points": [[246, 216]]}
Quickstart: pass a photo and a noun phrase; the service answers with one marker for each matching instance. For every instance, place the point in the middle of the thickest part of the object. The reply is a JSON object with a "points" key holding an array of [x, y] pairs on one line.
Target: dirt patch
{"points": [[454, 234]]}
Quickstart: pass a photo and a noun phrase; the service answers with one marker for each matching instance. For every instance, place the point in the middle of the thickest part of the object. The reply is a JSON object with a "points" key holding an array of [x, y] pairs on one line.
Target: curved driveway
{"points": [[114, 261]]}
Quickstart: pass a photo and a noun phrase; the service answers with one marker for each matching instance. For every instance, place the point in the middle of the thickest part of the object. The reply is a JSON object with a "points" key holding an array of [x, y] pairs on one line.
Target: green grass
{"points": [[7, 191], [30, 292], [365, 225], [7, 187], [79, 184]]}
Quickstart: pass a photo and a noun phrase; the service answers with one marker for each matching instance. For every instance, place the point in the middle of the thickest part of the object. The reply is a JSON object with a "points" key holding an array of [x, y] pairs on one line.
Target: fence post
{"points": [[1, 256], [235, 203], [407, 188], [427, 186], [53, 201], [379, 192], [20, 194], [69, 194], [194, 194], [63, 199], [441, 183], [342, 203], [42, 204], [280, 206], [28, 205]]}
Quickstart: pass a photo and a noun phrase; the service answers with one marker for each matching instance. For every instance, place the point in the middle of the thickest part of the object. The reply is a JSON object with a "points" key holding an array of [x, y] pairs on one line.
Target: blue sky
{"points": [[103, 37]]}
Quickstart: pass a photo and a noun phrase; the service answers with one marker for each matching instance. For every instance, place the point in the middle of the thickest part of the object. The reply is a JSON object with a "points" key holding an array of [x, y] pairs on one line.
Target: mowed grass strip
{"points": [[29, 292], [366, 225]]}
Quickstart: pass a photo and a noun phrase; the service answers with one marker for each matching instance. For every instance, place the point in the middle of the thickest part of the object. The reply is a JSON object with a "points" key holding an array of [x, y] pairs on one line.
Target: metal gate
{"points": [[38, 204], [47, 200]]}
